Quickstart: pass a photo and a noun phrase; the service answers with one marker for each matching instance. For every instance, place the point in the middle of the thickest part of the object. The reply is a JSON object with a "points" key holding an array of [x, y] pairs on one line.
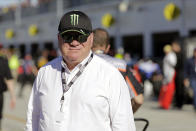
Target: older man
{"points": [[101, 46], [79, 91]]}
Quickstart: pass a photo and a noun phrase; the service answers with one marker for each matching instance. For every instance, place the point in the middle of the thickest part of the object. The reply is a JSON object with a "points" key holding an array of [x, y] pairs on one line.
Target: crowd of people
{"points": [[88, 86]]}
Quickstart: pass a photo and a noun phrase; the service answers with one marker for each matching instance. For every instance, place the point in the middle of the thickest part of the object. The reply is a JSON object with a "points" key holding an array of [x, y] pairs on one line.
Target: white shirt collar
{"points": [[99, 52]]}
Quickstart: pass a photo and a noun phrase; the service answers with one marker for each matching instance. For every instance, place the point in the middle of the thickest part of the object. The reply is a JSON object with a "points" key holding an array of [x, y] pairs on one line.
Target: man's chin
{"points": [[74, 58]]}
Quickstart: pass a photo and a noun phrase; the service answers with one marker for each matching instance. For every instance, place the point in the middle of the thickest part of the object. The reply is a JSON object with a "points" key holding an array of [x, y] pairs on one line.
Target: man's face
{"points": [[72, 50]]}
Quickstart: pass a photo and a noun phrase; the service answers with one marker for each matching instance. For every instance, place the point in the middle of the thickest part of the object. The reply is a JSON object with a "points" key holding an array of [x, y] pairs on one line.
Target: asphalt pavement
{"points": [[159, 119]]}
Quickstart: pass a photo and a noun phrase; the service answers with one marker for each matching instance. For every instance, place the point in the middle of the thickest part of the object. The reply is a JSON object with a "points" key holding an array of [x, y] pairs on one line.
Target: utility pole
{"points": [[122, 8]]}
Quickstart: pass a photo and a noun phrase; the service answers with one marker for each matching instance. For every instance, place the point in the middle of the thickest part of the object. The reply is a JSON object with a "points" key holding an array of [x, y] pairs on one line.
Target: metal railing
{"points": [[143, 120]]}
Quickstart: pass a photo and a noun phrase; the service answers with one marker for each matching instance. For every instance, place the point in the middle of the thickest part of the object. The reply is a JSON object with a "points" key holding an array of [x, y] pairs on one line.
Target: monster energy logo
{"points": [[74, 19]]}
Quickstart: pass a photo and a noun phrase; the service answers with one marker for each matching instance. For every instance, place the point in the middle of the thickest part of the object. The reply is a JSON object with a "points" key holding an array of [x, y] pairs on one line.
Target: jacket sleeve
{"points": [[121, 113], [33, 109], [133, 83]]}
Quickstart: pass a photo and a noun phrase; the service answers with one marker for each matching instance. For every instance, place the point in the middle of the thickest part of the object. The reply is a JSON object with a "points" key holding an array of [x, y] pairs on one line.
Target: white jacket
{"points": [[169, 63]]}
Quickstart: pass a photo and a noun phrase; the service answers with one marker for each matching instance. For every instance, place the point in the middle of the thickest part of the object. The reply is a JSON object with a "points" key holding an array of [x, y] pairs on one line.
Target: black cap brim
{"points": [[75, 30]]}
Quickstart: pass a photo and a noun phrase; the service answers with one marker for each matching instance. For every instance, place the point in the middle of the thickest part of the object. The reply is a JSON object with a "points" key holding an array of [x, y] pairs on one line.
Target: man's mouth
{"points": [[74, 48]]}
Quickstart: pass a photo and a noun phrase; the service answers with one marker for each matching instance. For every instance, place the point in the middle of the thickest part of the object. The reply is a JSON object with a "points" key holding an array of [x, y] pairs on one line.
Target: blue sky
{"points": [[4, 3]]}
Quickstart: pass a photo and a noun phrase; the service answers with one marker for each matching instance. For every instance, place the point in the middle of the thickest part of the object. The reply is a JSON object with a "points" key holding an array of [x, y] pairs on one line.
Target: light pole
{"points": [[59, 8], [18, 13], [122, 8]]}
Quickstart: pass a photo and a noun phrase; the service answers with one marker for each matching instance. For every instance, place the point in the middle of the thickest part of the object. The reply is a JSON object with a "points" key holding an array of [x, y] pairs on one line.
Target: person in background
{"points": [[26, 73], [190, 75], [101, 47], [179, 68], [169, 63], [79, 91], [129, 60], [13, 62], [43, 59], [6, 82], [147, 68]]}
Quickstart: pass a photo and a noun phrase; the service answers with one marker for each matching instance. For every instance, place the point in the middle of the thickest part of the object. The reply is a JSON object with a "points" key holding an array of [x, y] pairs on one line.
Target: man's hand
{"points": [[12, 103]]}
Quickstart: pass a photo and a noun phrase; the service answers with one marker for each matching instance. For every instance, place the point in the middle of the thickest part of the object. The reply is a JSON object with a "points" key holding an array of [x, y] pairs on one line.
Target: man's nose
{"points": [[75, 43]]}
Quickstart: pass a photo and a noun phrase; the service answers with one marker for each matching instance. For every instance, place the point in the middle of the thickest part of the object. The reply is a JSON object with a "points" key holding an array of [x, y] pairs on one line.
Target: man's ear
{"points": [[91, 39], [107, 49]]}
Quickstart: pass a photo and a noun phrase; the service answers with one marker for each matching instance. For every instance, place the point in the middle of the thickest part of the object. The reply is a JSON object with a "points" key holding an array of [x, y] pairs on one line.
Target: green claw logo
{"points": [[74, 19]]}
